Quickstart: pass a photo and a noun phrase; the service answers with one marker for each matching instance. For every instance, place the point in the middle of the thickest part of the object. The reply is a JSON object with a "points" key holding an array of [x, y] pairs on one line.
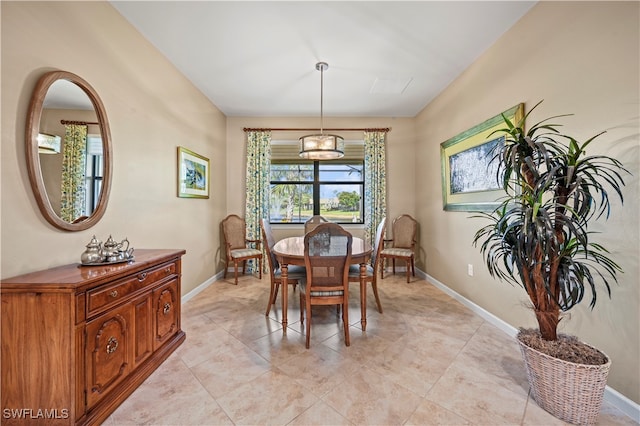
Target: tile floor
{"points": [[427, 360]]}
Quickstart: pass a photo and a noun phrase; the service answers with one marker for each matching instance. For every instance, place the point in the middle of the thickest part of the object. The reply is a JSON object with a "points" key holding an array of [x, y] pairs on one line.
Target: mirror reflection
{"points": [[70, 151]]}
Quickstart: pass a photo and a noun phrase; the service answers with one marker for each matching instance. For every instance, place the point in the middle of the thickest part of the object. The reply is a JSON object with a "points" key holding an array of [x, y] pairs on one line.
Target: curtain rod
{"points": [[81, 123], [288, 129]]}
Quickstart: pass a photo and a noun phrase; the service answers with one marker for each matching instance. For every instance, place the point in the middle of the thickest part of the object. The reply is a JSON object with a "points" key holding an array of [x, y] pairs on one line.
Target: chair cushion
{"points": [[293, 272], [303, 290], [354, 271], [245, 252], [400, 252]]}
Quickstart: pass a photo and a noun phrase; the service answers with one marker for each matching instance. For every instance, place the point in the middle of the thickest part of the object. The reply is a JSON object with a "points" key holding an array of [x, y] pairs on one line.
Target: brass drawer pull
{"points": [[168, 270], [142, 276], [167, 308], [114, 293], [112, 345]]}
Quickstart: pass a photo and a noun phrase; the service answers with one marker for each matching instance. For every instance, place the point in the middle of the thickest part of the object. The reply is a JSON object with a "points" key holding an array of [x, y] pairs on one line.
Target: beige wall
{"points": [[581, 58], [152, 109], [400, 158]]}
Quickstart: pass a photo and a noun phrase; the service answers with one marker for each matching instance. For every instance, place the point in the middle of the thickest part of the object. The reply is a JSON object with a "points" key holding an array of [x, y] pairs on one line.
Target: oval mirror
{"points": [[68, 149]]}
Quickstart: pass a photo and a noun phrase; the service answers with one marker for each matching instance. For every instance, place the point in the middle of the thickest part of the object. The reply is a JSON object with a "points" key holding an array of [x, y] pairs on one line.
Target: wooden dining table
{"points": [[290, 251]]}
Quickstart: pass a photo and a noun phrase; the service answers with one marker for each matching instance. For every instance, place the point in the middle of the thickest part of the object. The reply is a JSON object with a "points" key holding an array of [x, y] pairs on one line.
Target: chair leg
{"points": [[408, 269], [345, 322], [394, 265], [226, 268], [374, 285], [260, 266], [413, 266], [272, 297], [235, 264], [308, 328]]}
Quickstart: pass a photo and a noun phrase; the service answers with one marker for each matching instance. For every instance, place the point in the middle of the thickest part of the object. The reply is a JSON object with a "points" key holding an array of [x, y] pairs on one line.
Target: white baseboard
{"points": [[613, 397], [202, 286]]}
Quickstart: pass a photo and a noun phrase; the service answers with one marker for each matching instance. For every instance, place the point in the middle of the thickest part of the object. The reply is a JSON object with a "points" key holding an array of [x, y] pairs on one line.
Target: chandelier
{"points": [[321, 146]]}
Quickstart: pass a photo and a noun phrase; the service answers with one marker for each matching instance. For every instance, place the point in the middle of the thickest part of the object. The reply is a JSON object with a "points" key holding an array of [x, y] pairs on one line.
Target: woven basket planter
{"points": [[571, 392]]}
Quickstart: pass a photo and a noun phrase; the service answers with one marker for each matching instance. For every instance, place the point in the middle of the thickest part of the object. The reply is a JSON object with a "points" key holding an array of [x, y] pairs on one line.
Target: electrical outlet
{"points": [[470, 269]]}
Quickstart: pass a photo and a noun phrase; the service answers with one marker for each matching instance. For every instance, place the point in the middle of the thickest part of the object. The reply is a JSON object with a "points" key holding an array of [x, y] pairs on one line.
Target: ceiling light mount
{"points": [[321, 146]]}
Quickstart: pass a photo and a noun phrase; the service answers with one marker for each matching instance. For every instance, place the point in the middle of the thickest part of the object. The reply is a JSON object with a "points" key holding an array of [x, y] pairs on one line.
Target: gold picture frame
{"points": [[193, 174], [469, 177]]}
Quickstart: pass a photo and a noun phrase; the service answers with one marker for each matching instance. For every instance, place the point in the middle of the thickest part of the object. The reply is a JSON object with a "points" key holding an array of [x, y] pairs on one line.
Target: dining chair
{"points": [[327, 255], [354, 270], [313, 221], [402, 246], [294, 273], [238, 246]]}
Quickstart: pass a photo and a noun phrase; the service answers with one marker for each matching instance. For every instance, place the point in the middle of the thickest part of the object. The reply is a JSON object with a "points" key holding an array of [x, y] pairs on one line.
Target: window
{"points": [[94, 173], [301, 189]]}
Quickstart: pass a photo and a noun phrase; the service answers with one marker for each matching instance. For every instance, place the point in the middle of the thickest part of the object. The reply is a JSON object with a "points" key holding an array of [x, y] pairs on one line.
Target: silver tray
{"points": [[128, 260]]}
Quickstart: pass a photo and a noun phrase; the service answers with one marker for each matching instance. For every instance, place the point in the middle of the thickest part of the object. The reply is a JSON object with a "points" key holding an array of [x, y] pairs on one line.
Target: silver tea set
{"points": [[111, 251]]}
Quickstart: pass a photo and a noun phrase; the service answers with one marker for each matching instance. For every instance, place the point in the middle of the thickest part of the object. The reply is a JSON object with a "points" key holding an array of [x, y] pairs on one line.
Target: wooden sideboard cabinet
{"points": [[78, 340]]}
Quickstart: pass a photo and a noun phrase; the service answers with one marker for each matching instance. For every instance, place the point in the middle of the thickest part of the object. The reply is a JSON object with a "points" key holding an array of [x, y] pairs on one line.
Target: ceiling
{"points": [[386, 59]]}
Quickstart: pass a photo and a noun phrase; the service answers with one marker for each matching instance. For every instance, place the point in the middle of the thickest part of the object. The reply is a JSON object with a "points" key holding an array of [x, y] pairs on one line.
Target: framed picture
{"points": [[470, 180], [193, 174]]}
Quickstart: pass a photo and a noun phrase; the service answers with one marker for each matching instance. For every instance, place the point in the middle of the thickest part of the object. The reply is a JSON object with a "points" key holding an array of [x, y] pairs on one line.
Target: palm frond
{"points": [[538, 236]]}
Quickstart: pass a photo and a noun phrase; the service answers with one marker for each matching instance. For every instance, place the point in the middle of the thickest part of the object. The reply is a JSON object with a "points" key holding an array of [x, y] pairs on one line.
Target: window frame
{"points": [[316, 184]]}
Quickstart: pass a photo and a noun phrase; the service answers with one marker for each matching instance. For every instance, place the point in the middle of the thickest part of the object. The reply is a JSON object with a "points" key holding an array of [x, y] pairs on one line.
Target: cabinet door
{"points": [[167, 312], [108, 355], [143, 322]]}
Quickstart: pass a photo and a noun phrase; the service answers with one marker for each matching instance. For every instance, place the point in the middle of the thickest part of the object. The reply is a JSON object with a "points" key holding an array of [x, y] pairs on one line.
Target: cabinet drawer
{"points": [[105, 296]]}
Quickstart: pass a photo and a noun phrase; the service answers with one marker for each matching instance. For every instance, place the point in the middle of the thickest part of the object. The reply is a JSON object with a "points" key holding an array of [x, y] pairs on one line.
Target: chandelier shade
{"points": [[321, 146]]}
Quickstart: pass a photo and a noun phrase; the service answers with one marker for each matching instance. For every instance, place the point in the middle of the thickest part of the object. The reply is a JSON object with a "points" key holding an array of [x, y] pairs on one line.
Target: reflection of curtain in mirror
{"points": [[258, 184], [73, 172], [375, 185]]}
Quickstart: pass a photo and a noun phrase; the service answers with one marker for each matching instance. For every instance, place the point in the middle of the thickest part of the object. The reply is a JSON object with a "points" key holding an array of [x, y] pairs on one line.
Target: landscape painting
{"points": [[470, 180], [472, 170], [193, 174]]}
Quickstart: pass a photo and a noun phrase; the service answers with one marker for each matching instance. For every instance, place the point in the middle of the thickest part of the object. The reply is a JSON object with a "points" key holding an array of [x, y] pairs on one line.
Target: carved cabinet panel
{"points": [[143, 329], [108, 354], [166, 312], [77, 341]]}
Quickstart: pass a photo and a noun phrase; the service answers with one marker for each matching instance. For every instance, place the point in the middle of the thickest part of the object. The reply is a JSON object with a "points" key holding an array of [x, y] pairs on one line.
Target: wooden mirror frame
{"points": [[33, 159]]}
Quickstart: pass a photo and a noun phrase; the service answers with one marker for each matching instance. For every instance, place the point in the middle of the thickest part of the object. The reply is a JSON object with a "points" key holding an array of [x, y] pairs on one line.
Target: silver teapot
{"points": [[114, 251], [93, 253], [109, 252]]}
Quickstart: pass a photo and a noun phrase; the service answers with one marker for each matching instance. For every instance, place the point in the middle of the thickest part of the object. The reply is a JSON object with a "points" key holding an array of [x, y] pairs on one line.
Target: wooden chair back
{"points": [[378, 243], [235, 232], [354, 270], [269, 242], [313, 221], [236, 245], [404, 229], [403, 244], [327, 256]]}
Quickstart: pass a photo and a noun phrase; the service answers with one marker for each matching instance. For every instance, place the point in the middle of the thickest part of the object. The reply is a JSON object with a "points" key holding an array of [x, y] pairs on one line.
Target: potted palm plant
{"points": [[538, 238]]}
